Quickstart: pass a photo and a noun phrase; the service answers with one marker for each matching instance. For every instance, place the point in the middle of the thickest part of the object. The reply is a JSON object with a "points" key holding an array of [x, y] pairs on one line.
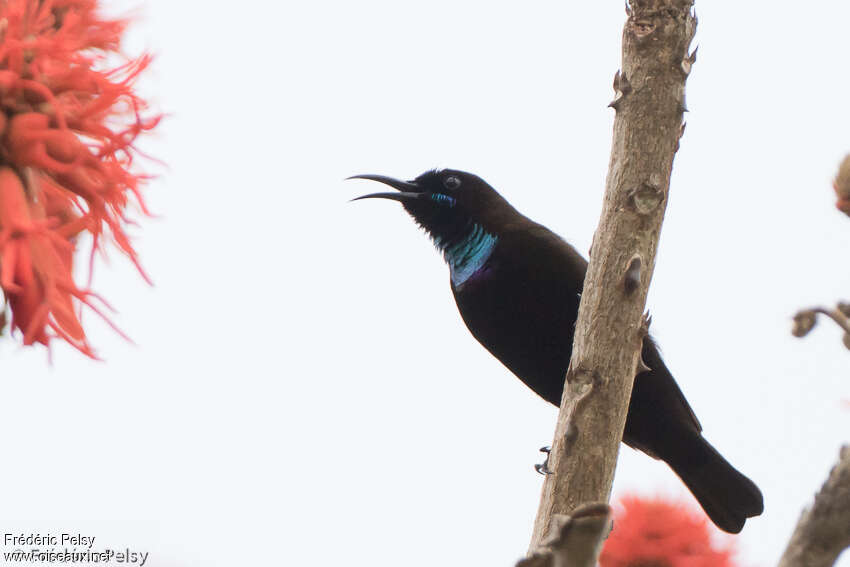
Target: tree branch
{"points": [[576, 540], [804, 321], [823, 530], [649, 101]]}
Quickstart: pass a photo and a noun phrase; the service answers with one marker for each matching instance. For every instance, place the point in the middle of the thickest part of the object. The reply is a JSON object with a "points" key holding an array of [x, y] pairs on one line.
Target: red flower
{"points": [[657, 533], [67, 127]]}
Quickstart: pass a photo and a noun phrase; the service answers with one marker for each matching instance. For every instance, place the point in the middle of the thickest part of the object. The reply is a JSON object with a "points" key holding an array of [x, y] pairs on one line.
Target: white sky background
{"points": [[303, 391]]}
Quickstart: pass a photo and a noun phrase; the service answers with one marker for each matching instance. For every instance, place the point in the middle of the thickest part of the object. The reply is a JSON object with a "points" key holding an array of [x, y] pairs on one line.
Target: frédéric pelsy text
{"points": [[40, 540]]}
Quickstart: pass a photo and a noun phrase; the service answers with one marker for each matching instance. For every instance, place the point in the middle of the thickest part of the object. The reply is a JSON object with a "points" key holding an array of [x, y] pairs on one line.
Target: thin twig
{"points": [[805, 320]]}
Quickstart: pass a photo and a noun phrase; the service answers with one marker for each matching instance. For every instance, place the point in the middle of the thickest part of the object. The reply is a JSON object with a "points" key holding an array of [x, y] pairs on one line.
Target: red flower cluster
{"points": [[67, 125], [659, 533]]}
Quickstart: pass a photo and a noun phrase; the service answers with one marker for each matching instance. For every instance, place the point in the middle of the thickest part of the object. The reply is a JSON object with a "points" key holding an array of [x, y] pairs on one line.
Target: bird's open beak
{"points": [[408, 191]]}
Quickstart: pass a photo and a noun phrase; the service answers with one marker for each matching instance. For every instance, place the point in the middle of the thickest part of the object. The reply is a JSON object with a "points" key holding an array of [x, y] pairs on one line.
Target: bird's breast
{"points": [[524, 318]]}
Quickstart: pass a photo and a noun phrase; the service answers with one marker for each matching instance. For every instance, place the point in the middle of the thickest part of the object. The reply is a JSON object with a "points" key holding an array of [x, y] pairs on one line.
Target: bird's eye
{"points": [[451, 182]]}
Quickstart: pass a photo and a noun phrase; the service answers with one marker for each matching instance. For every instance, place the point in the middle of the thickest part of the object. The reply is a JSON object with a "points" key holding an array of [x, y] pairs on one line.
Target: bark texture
{"points": [[575, 540], [649, 102], [823, 530]]}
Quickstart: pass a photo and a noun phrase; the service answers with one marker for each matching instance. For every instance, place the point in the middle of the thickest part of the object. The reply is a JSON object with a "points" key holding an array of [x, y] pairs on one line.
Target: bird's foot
{"points": [[543, 468]]}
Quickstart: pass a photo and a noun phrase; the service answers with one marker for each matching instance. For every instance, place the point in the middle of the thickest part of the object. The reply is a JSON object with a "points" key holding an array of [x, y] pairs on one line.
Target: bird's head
{"points": [[446, 203]]}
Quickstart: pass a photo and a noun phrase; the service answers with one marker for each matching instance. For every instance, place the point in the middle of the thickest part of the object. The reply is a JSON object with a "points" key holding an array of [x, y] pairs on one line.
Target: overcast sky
{"points": [[302, 389]]}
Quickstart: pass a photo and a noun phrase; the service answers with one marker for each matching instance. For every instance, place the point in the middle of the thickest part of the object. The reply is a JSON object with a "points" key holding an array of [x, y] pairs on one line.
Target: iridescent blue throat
{"points": [[469, 254]]}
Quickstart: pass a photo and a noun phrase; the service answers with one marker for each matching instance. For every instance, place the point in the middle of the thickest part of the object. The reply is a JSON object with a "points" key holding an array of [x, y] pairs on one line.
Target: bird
{"points": [[517, 286]]}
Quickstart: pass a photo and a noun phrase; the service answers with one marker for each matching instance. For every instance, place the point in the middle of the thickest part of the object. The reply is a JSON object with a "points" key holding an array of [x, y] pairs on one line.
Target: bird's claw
{"points": [[543, 468]]}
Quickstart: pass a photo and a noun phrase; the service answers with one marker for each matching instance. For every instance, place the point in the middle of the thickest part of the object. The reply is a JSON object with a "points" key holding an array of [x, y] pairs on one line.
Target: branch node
{"points": [[575, 539], [622, 87], [580, 378], [580, 384], [632, 278], [641, 29], [688, 62], [646, 198]]}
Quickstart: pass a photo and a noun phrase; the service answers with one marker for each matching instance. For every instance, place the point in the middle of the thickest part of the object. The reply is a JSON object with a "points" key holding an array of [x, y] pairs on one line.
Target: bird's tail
{"points": [[726, 495]]}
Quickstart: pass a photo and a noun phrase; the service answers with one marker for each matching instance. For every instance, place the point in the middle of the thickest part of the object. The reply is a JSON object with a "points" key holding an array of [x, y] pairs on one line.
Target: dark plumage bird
{"points": [[517, 286]]}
